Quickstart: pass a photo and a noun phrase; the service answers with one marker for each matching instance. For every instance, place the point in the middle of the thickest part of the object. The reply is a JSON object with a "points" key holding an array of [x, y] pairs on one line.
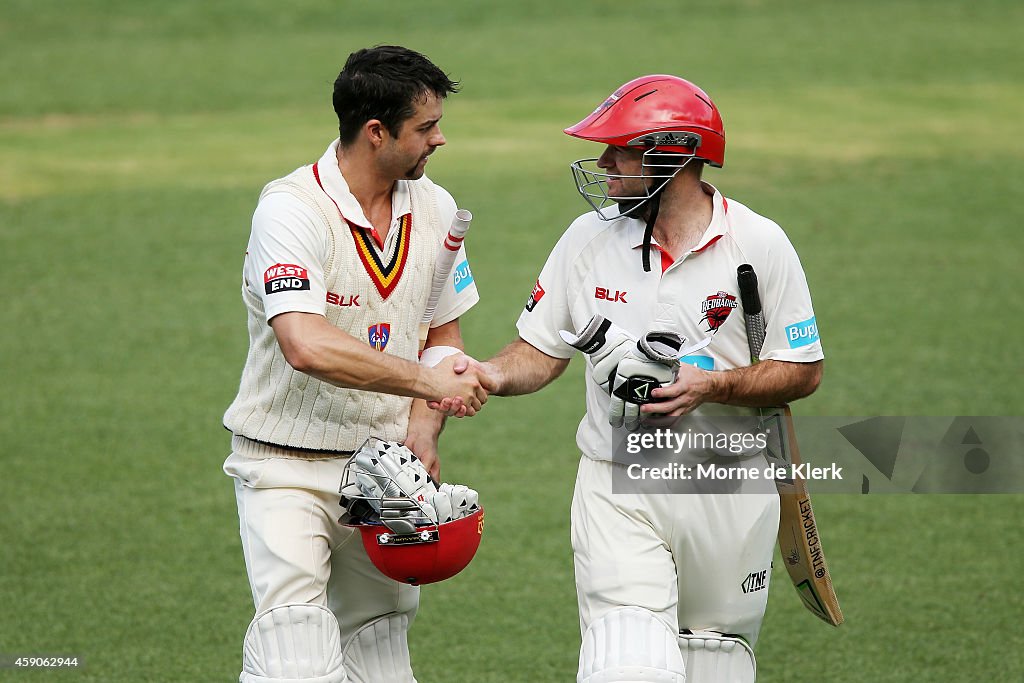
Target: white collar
{"points": [[336, 187], [718, 226]]}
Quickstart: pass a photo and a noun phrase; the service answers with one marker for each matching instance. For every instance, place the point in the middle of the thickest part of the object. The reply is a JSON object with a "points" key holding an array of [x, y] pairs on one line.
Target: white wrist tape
{"points": [[435, 354]]}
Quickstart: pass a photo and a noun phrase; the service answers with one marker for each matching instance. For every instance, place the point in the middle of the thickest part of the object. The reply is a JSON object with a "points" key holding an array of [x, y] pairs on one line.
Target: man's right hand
{"points": [[651, 363], [462, 382], [453, 405]]}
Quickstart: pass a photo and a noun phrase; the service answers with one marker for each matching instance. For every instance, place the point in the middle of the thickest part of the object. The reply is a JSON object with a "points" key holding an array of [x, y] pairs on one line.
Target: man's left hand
{"points": [[424, 429], [425, 448], [691, 388]]}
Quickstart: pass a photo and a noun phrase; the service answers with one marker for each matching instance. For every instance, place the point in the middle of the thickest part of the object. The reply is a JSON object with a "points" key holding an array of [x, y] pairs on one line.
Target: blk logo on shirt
{"points": [[610, 295], [285, 277]]}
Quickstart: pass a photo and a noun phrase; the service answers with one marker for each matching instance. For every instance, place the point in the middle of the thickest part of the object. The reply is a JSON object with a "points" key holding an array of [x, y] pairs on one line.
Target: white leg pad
{"points": [[379, 652], [630, 645], [714, 658], [294, 642]]}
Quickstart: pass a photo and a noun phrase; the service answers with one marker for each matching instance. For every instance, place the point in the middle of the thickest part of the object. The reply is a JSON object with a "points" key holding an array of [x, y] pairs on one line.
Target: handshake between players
{"points": [[642, 377]]}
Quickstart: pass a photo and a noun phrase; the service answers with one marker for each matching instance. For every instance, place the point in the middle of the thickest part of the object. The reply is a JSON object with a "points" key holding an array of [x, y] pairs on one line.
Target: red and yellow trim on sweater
{"points": [[385, 276]]}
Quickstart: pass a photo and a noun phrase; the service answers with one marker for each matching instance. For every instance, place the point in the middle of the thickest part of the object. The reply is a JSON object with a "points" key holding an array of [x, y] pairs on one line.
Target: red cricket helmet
{"points": [[426, 555], [660, 112]]}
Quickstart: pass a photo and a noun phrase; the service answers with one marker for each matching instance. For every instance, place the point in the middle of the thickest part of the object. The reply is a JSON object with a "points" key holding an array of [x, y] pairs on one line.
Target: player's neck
{"points": [[683, 217], [372, 190]]}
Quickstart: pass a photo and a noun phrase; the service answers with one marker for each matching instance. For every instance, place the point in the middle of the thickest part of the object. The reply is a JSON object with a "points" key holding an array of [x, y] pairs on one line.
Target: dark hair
{"points": [[383, 83]]}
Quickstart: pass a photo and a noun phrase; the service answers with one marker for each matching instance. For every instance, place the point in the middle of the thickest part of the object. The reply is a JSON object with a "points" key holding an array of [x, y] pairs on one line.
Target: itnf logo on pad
{"points": [[285, 277], [802, 333]]}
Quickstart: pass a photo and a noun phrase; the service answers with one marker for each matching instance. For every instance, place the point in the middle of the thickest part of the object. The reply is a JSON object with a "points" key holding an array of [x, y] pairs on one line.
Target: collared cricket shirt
{"points": [[596, 268]]}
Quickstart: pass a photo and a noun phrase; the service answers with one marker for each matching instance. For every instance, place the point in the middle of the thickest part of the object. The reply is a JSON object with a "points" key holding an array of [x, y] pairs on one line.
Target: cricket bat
{"points": [[443, 268], [799, 541]]}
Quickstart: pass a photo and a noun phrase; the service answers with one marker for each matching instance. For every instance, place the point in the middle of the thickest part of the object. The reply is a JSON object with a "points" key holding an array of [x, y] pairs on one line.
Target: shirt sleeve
{"points": [[547, 309], [460, 293], [791, 333], [284, 263]]}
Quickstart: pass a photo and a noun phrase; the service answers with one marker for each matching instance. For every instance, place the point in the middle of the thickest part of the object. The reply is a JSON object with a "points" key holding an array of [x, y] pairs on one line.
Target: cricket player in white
{"points": [[336, 278], [670, 587]]}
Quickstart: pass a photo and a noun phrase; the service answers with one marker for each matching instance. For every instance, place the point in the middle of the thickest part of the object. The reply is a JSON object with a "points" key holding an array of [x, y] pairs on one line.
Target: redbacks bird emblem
{"points": [[379, 335], [716, 308]]}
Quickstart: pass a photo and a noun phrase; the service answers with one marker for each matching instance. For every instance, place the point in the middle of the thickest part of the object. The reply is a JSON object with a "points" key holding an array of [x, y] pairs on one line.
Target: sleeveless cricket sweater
{"points": [[278, 408]]}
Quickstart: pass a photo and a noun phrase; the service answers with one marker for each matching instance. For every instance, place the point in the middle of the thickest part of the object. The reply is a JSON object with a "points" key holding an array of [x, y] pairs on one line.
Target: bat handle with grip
{"points": [[753, 316], [443, 268]]}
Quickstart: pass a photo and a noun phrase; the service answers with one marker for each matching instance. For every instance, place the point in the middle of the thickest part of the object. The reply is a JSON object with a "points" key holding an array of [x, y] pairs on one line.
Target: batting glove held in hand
{"points": [[651, 363], [395, 484], [605, 342]]}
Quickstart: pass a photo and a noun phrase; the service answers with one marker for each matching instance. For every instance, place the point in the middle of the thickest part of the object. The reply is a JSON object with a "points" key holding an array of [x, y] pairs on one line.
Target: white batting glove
{"points": [[396, 485], [650, 363], [605, 342], [442, 503]]}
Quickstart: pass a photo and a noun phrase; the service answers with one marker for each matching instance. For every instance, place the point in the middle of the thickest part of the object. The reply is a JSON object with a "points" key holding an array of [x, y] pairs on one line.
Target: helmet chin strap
{"points": [[652, 218]]}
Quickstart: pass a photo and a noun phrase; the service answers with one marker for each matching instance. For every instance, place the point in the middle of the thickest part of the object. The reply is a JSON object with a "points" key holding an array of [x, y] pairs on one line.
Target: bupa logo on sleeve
{"points": [[802, 333], [463, 276], [285, 277]]}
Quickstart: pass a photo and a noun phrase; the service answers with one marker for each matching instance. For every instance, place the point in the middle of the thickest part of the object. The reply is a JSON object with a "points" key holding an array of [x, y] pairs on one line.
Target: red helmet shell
{"points": [[656, 104], [425, 562]]}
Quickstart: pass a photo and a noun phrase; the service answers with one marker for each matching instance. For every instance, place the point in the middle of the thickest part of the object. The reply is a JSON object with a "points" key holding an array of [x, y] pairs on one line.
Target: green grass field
{"points": [[136, 135]]}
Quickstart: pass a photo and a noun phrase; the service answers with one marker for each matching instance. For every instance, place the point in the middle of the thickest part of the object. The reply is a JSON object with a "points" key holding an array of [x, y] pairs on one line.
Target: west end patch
{"points": [[285, 277]]}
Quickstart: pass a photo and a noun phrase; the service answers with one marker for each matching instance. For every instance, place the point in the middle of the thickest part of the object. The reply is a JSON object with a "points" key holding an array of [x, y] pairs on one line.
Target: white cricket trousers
{"points": [[697, 561], [295, 549]]}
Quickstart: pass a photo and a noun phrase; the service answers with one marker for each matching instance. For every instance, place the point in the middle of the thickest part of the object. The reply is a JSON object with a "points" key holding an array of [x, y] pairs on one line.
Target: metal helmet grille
{"points": [[657, 169]]}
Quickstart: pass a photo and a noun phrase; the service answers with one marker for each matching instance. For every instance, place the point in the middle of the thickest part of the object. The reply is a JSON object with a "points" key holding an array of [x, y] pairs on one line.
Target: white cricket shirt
{"points": [[596, 268]]}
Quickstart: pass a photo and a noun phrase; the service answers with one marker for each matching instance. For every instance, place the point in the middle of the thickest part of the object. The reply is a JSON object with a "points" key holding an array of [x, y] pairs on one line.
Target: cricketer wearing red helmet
{"points": [[670, 587]]}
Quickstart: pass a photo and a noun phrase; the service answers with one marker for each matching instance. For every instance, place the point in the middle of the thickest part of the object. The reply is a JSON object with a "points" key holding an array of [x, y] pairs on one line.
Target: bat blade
{"points": [[799, 540], [798, 536]]}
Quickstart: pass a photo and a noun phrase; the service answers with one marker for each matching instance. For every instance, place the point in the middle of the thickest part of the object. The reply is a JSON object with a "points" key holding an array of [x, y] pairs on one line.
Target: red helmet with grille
{"points": [[426, 555], [658, 112]]}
